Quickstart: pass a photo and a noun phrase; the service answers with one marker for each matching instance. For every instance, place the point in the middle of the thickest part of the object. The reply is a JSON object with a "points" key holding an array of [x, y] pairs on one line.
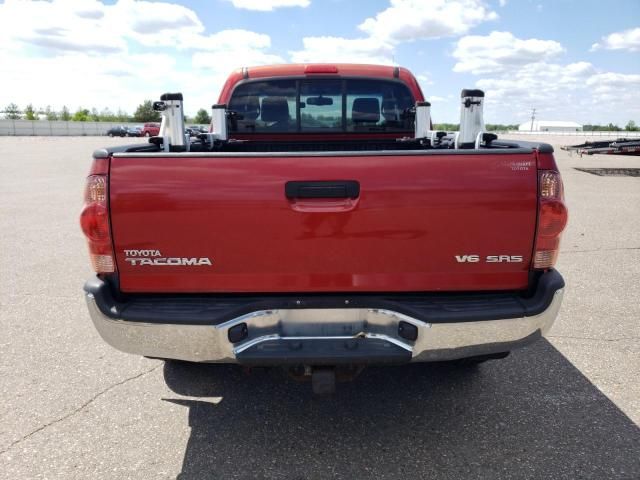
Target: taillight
{"points": [[552, 218], [94, 221]]}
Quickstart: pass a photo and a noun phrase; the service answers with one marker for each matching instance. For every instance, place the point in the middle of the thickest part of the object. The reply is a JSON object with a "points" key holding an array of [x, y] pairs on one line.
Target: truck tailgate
{"points": [[421, 222]]}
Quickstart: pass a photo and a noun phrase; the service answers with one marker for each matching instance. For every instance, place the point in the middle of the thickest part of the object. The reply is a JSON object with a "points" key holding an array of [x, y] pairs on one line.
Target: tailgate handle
{"points": [[332, 189]]}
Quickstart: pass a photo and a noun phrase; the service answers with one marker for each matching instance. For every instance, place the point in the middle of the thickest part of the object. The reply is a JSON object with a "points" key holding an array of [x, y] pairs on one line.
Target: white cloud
{"points": [[502, 2], [269, 5], [625, 40], [81, 53], [232, 49], [425, 81], [404, 20], [338, 49], [55, 27], [407, 20], [518, 74], [575, 92], [424, 78], [220, 53], [605, 85], [538, 80], [158, 18], [90, 26], [75, 79], [230, 40], [86, 53], [501, 51]]}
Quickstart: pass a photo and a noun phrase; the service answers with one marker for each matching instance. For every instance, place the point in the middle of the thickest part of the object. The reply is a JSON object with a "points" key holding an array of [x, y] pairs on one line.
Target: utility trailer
{"points": [[620, 146]]}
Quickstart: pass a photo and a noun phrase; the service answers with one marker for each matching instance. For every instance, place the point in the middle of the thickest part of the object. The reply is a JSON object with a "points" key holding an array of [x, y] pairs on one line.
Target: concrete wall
{"points": [[56, 128]]}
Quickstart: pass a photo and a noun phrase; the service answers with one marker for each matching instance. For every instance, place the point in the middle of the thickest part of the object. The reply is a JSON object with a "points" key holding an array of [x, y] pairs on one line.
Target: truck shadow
{"points": [[532, 415]]}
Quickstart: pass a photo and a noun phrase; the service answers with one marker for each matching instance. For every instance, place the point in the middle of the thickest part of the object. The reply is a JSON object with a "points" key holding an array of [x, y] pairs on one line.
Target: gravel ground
{"points": [[72, 407]]}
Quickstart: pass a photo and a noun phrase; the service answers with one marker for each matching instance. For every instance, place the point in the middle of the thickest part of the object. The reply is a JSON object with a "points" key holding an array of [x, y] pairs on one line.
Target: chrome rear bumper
{"points": [[286, 335]]}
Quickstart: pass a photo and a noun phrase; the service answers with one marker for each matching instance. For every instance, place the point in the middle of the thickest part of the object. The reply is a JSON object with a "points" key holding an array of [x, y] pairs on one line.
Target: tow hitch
{"points": [[323, 380]]}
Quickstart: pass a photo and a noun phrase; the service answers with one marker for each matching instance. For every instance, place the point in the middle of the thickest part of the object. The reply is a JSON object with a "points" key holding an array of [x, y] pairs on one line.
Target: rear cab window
{"points": [[321, 105]]}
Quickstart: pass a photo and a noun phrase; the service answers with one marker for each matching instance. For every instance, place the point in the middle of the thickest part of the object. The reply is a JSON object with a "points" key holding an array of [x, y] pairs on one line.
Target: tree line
{"points": [[611, 127], [144, 113]]}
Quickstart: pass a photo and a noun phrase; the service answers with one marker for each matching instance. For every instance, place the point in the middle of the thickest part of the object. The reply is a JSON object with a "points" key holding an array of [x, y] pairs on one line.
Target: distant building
{"points": [[550, 126]]}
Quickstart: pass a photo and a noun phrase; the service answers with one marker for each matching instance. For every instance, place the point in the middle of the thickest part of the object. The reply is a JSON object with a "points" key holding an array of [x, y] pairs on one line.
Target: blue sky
{"points": [[572, 60]]}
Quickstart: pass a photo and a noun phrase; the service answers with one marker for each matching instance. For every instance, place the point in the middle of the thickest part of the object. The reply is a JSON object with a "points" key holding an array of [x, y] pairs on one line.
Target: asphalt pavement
{"points": [[565, 407]]}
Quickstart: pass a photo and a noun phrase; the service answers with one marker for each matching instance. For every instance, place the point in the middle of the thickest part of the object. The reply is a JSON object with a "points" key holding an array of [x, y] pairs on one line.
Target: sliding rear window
{"points": [[321, 105]]}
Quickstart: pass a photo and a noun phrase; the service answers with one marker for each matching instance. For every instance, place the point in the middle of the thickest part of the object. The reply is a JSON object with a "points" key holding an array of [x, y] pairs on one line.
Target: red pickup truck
{"points": [[150, 130], [323, 232]]}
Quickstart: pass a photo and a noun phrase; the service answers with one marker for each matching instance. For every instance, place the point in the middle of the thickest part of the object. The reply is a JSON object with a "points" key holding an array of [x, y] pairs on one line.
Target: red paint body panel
{"points": [[546, 161], [99, 166], [415, 213]]}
